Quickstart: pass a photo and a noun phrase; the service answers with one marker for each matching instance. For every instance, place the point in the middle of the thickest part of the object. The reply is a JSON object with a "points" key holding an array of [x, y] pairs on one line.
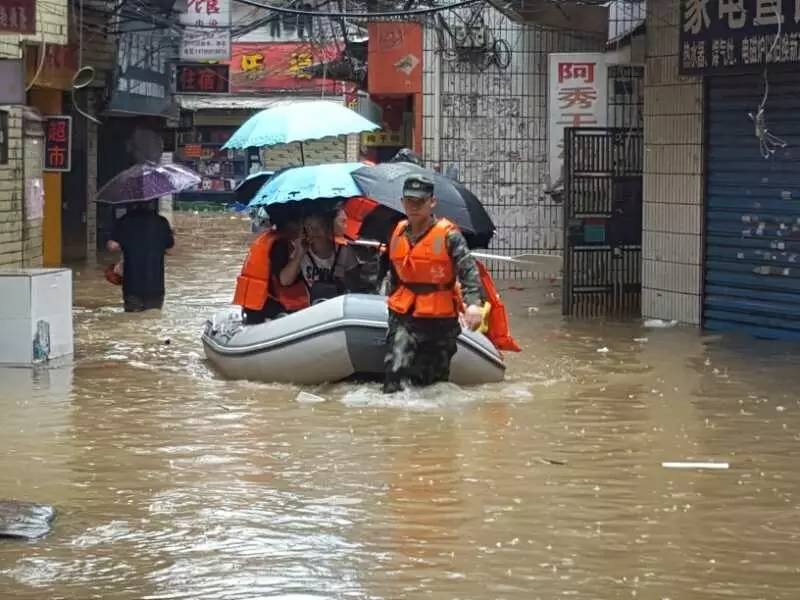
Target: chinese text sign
{"points": [[577, 98], [731, 35], [18, 16], [207, 33], [58, 143], [202, 79]]}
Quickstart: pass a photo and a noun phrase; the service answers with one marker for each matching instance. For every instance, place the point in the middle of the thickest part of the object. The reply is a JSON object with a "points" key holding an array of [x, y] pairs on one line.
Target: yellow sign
{"points": [[383, 138], [298, 63]]}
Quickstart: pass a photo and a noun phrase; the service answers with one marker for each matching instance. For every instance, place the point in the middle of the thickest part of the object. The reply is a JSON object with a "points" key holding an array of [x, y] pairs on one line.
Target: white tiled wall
{"points": [[673, 179]]}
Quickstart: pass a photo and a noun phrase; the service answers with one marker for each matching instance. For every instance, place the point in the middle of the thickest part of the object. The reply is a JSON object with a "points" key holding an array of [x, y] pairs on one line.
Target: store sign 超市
{"points": [[738, 35]]}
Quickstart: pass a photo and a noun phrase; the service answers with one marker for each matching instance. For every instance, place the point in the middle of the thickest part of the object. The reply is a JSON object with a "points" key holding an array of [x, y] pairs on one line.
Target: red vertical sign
{"points": [[18, 16], [58, 143]]}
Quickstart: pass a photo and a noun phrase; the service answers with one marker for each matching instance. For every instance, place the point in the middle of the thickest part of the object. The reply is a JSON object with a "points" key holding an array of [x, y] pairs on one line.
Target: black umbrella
{"points": [[384, 184], [248, 187]]}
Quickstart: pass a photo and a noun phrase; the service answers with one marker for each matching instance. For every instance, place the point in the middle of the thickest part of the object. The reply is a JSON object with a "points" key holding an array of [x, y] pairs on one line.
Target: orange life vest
{"points": [[498, 331], [427, 279], [257, 283], [356, 210]]}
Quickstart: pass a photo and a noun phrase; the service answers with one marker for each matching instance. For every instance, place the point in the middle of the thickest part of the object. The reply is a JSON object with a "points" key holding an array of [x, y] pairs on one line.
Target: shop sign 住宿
{"points": [[577, 84], [58, 143], [202, 79], [207, 30], [738, 35]]}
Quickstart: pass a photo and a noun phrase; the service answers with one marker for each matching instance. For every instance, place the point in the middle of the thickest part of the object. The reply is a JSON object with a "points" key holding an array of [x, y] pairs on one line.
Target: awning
{"points": [[228, 102]]}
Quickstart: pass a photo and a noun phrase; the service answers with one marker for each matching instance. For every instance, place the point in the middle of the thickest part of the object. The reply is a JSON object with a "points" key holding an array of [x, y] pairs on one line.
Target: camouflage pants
{"points": [[419, 351]]}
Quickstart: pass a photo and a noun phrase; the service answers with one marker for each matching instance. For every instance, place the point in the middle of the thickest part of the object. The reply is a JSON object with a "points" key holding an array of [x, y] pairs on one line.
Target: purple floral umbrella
{"points": [[147, 181]]}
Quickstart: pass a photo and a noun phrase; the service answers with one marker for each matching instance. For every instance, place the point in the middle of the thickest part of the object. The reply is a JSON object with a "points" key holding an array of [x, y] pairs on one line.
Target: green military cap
{"points": [[418, 186]]}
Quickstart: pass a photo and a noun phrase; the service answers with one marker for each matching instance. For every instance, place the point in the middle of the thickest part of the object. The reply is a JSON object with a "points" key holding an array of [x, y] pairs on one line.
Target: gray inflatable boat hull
{"points": [[334, 340]]}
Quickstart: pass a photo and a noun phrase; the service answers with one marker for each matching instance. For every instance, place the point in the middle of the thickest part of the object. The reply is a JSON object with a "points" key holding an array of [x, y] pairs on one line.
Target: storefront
{"points": [[206, 123], [394, 83], [751, 267]]}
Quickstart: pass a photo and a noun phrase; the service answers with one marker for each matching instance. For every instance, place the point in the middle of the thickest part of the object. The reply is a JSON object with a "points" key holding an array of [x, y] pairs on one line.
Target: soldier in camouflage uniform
{"points": [[420, 349]]}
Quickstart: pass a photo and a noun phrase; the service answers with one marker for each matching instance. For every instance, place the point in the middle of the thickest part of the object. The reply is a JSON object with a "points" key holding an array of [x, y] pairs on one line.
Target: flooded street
{"points": [[173, 483]]}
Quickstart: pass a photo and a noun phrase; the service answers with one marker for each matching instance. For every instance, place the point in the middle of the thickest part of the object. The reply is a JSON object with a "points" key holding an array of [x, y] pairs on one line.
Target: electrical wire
{"points": [[369, 15]]}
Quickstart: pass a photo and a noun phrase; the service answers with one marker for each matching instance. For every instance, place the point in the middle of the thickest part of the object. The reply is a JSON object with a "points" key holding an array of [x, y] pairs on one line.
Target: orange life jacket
{"points": [[498, 330], [356, 210], [427, 279], [257, 283]]}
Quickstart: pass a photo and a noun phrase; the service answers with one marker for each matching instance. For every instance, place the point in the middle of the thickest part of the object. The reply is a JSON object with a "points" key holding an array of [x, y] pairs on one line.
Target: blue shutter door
{"points": [[752, 269]]}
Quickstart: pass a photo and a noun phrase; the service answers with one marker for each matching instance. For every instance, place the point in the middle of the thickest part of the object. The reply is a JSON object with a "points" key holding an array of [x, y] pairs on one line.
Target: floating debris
{"points": [[695, 465], [659, 324], [307, 398], [552, 461], [25, 520]]}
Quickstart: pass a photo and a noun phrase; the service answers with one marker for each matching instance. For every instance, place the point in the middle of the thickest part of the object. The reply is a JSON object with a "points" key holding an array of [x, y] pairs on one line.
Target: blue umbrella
{"points": [[298, 122], [318, 182]]}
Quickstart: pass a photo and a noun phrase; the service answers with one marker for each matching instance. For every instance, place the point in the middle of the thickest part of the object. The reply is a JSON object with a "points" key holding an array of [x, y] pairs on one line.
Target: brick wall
{"points": [[673, 179], [32, 158], [21, 238], [11, 212]]}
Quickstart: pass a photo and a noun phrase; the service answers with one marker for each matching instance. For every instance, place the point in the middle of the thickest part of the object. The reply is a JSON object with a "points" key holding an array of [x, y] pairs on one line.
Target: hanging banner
{"points": [[207, 33], [282, 66], [141, 79], [577, 84], [737, 35], [58, 143], [395, 58]]}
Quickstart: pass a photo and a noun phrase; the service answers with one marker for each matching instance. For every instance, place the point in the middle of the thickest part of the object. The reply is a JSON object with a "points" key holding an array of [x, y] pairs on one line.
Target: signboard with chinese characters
{"points": [[18, 16], [207, 33], [282, 66], [577, 98], [737, 35], [141, 79], [383, 138], [202, 79], [58, 143]]}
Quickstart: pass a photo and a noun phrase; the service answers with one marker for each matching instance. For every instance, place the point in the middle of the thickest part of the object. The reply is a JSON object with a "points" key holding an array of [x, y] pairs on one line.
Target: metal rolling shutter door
{"points": [[752, 270]]}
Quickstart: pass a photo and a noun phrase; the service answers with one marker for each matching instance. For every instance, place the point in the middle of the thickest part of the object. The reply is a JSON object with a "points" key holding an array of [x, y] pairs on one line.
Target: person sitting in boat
{"points": [[347, 222], [318, 259], [259, 290]]}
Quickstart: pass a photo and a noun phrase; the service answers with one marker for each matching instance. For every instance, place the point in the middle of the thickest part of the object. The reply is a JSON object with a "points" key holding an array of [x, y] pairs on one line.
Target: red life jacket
{"points": [[356, 210], [257, 283], [498, 331], [427, 279]]}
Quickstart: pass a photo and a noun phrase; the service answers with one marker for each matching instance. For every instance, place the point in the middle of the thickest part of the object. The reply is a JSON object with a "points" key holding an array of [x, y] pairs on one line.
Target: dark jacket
{"points": [[144, 237]]}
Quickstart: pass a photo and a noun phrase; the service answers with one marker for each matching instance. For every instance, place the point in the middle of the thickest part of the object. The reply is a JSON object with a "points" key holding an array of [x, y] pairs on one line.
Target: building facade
{"points": [[486, 120]]}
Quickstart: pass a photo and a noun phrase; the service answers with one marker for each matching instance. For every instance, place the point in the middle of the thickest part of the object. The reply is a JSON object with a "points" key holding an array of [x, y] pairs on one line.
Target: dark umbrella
{"points": [[147, 181], [248, 187], [384, 184]]}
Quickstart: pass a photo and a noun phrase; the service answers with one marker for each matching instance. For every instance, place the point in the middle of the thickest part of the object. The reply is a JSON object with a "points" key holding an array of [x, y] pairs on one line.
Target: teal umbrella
{"points": [[298, 122], [318, 182]]}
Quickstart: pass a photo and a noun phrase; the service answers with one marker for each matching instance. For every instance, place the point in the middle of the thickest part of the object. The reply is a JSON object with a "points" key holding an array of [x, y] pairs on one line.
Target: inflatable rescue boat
{"points": [[334, 340]]}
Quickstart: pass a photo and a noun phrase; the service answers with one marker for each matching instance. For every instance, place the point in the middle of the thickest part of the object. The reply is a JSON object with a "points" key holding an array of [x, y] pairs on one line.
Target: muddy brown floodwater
{"points": [[172, 483]]}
